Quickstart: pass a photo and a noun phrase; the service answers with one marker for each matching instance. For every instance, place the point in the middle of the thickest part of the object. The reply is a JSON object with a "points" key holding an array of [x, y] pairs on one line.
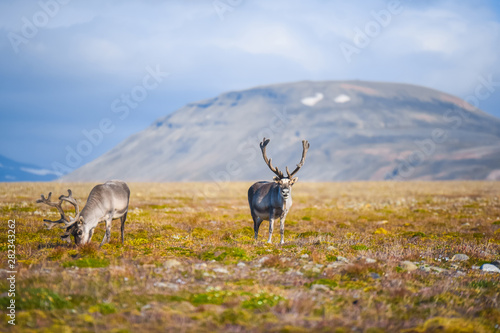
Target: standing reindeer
{"points": [[106, 202], [272, 200]]}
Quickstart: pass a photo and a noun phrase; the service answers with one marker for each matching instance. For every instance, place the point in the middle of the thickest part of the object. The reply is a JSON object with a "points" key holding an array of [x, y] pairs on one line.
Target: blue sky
{"points": [[96, 71]]}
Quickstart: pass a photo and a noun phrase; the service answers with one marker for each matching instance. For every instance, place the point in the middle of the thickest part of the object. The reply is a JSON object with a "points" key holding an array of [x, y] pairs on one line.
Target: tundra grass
{"points": [[190, 264]]}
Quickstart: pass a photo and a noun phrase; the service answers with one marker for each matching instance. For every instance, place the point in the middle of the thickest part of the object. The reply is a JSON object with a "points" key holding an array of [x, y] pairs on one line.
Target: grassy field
{"points": [[190, 263]]}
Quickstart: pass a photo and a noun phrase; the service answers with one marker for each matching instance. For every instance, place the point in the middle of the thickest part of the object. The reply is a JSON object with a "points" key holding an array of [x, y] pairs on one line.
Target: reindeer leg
{"points": [[122, 219], [271, 226], [282, 228], [108, 231], [103, 239], [256, 225], [107, 234]]}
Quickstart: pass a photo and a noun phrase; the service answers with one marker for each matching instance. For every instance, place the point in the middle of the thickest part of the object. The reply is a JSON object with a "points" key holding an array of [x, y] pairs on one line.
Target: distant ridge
{"points": [[358, 131], [12, 171]]}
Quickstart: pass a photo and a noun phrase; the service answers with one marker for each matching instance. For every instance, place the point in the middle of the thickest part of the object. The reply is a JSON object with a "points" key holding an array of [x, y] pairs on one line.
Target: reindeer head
{"points": [[73, 225], [285, 182], [82, 232]]}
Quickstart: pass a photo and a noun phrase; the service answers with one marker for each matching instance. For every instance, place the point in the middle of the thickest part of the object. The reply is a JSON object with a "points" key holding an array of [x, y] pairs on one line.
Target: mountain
{"points": [[357, 130], [12, 171]]}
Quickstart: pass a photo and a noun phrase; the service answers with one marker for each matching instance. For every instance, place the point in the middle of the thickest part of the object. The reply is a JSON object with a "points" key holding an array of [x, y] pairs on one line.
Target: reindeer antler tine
{"points": [[50, 224], [69, 198], [63, 222], [42, 199], [305, 148], [70, 195], [268, 161]]}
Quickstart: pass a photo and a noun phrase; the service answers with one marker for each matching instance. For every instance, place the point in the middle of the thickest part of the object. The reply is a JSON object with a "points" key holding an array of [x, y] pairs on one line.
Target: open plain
{"points": [[358, 257]]}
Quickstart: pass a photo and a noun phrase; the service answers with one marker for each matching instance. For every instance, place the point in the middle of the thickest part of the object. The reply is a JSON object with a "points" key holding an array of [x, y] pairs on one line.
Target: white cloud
{"points": [[96, 50], [39, 172], [436, 38]]}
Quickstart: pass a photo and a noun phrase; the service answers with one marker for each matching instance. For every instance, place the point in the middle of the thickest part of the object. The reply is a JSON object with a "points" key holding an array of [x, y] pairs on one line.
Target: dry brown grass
{"points": [[225, 281]]}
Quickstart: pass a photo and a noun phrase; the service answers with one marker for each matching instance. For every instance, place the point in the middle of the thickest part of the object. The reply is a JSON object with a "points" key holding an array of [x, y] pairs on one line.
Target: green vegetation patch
{"points": [[245, 282], [211, 297], [359, 247], [181, 251], [331, 258], [200, 233], [103, 308], [261, 301], [308, 234], [325, 282], [314, 234], [440, 324], [18, 209], [483, 284], [245, 231], [173, 230], [411, 234], [221, 253], [42, 299], [234, 317]]}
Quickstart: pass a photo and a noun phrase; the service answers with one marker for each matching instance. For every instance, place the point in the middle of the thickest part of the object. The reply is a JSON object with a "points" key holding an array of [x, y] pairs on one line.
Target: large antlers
{"points": [[67, 222], [263, 145], [69, 198], [305, 148]]}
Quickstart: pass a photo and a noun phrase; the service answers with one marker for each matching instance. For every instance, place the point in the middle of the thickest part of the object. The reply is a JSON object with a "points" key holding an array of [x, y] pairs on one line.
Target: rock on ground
{"points": [[170, 263], [460, 257], [408, 265], [489, 268]]}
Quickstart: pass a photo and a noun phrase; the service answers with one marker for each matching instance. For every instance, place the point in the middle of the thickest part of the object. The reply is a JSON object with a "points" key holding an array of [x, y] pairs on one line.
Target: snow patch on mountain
{"points": [[311, 101], [342, 99]]}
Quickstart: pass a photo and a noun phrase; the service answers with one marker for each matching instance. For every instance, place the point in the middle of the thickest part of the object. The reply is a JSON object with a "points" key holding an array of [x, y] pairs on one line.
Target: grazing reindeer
{"points": [[272, 200], [106, 202]]}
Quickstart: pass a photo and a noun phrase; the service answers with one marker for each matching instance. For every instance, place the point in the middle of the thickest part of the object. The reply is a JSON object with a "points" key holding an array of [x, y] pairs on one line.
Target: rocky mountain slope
{"points": [[357, 130]]}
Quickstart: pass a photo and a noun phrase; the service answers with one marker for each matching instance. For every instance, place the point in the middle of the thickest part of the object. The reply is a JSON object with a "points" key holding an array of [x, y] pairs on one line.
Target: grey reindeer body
{"points": [[267, 204], [105, 202], [272, 200]]}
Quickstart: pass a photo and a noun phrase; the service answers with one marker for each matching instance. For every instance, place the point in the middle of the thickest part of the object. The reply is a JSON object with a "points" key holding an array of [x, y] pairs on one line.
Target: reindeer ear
{"points": [[80, 220], [276, 179], [294, 180]]}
